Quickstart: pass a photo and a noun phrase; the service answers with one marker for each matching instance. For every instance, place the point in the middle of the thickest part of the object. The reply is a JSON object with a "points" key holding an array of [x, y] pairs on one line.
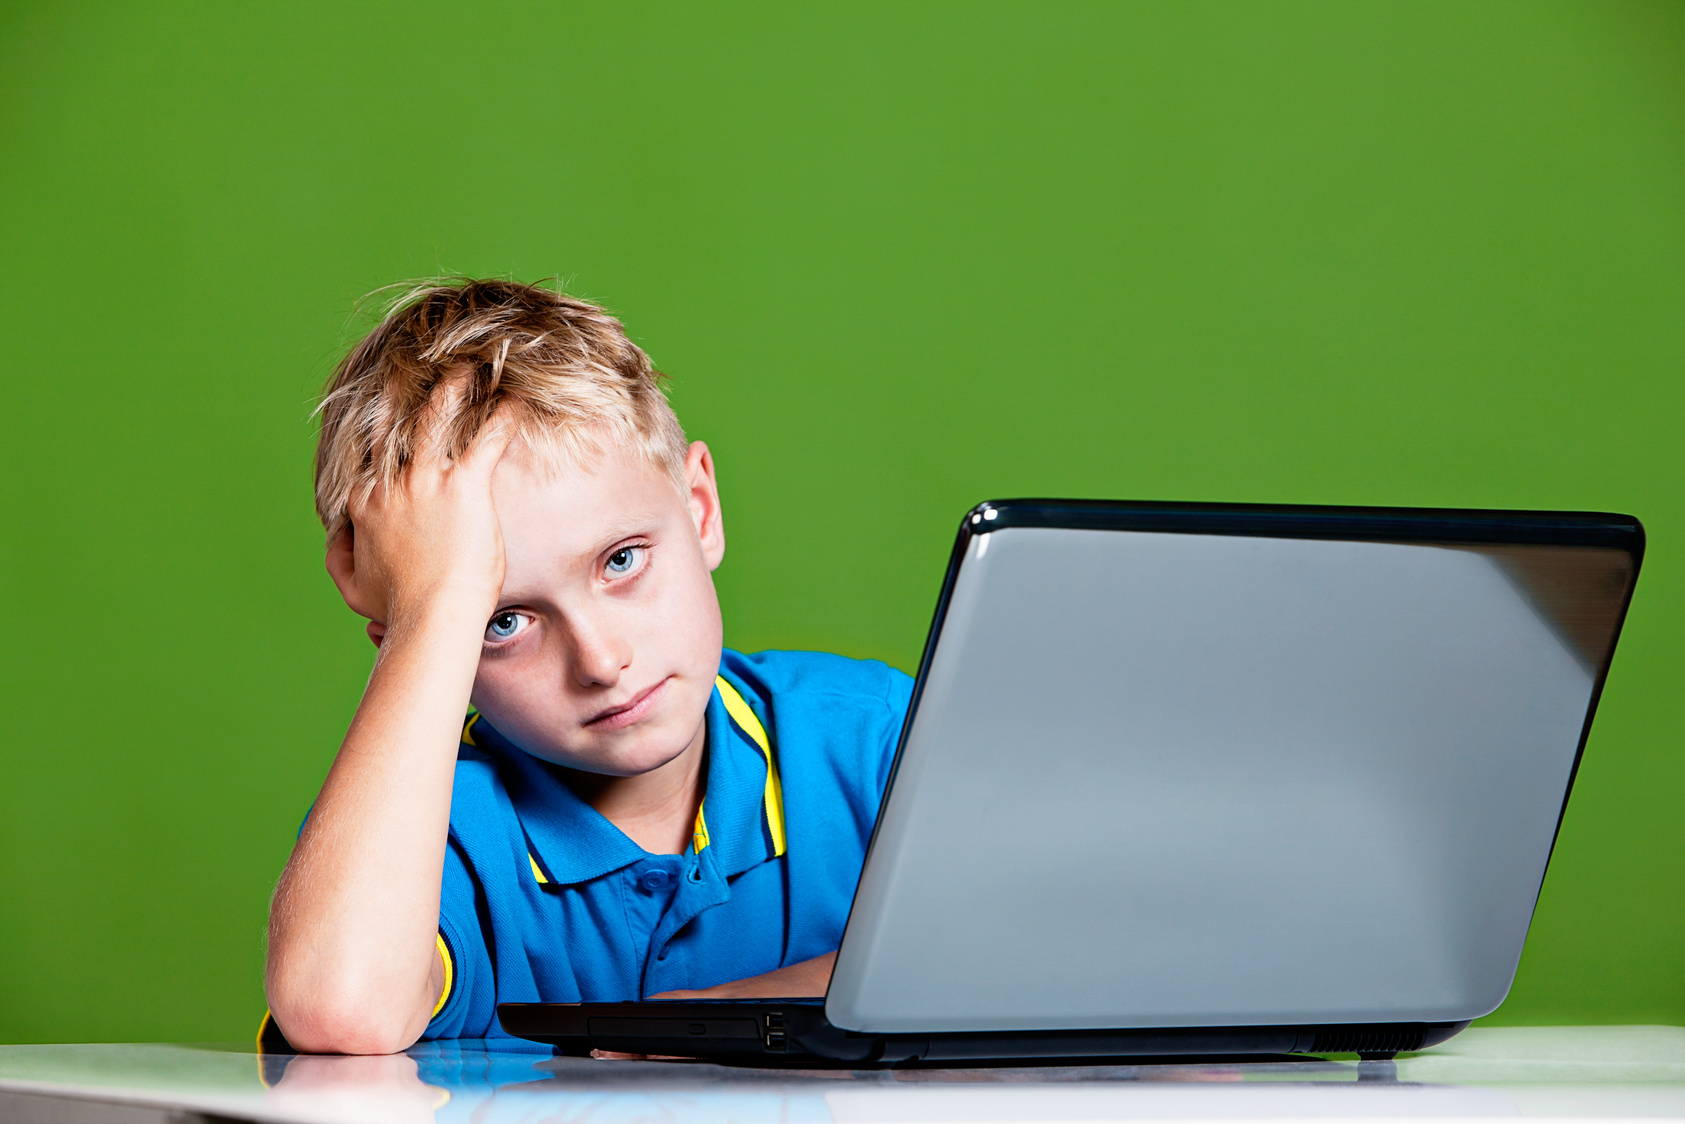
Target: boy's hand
{"points": [[429, 541], [810, 978]]}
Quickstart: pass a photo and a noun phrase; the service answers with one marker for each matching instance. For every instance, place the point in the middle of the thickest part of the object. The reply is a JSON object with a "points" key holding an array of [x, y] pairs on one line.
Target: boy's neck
{"points": [[656, 810]]}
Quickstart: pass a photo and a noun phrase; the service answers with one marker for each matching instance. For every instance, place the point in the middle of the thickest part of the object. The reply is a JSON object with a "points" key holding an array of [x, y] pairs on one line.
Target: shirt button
{"points": [[653, 879]]}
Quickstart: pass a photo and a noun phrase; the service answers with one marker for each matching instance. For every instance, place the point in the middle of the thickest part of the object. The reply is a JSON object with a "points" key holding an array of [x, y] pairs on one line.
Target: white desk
{"points": [[1582, 1072]]}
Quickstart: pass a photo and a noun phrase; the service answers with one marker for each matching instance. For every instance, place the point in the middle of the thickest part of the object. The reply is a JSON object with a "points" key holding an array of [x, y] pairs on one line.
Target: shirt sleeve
{"points": [[469, 1004], [898, 696]]}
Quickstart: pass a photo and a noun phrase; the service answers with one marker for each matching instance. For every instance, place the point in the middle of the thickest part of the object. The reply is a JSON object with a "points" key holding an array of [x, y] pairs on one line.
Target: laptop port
{"points": [[776, 1042]]}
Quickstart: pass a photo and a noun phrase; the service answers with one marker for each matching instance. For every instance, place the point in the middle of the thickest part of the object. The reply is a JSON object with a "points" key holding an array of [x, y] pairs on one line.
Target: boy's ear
{"points": [[342, 568], [703, 493]]}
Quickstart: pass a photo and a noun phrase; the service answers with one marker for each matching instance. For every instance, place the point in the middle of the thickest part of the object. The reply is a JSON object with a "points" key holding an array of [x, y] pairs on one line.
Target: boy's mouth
{"points": [[619, 717]]}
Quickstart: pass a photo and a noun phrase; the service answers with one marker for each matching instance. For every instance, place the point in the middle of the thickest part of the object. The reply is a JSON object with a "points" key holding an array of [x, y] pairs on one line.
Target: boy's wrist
{"points": [[438, 620], [447, 607]]}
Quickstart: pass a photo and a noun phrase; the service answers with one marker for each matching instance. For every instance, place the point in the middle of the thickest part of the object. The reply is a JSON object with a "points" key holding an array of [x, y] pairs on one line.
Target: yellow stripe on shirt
{"points": [[444, 992], [746, 721], [699, 835]]}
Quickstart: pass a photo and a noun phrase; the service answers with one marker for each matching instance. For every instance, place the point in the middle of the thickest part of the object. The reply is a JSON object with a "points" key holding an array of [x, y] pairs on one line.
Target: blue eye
{"points": [[505, 625], [622, 560]]}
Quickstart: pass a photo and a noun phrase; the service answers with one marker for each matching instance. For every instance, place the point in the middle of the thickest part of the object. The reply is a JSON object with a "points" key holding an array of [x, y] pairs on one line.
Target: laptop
{"points": [[1200, 779]]}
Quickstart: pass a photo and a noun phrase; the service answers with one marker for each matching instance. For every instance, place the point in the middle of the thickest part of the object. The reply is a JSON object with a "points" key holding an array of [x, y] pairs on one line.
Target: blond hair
{"points": [[562, 369]]}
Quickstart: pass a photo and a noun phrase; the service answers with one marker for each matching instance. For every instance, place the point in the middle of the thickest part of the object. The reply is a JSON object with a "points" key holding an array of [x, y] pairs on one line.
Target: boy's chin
{"points": [[628, 757]]}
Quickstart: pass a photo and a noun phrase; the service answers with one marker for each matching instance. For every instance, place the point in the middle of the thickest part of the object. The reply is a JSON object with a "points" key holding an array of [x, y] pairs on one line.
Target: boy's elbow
{"points": [[342, 1021], [324, 1033]]}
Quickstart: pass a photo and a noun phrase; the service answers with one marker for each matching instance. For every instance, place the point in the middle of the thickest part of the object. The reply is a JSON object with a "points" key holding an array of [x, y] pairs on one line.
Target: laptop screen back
{"points": [[1162, 779]]}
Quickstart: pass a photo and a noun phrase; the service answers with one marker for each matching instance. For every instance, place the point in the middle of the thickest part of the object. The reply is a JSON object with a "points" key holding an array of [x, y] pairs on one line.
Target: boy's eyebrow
{"points": [[636, 525]]}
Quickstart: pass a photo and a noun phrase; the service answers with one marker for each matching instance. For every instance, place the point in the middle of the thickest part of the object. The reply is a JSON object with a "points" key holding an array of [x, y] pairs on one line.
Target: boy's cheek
{"points": [[492, 697], [700, 627]]}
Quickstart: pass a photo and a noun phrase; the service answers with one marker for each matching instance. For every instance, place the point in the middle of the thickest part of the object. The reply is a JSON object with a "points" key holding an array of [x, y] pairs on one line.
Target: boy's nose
{"points": [[598, 658]]}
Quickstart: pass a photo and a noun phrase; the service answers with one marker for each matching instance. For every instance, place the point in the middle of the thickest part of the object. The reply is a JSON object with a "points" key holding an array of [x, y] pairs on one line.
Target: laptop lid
{"points": [[1201, 765]]}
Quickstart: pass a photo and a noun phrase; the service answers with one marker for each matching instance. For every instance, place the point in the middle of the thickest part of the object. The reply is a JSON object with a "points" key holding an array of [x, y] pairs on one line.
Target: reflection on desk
{"points": [[1610, 1072]]}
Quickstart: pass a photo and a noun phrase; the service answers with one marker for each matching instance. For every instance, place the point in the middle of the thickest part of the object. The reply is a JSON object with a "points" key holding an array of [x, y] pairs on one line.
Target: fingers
{"points": [[489, 444], [433, 434], [433, 428]]}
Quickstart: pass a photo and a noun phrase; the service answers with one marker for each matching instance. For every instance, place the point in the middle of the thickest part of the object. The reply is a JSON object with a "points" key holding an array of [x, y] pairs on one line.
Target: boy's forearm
{"points": [[353, 961]]}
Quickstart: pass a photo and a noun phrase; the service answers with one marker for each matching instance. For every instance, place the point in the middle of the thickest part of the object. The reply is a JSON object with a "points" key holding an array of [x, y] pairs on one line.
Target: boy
{"points": [[628, 810]]}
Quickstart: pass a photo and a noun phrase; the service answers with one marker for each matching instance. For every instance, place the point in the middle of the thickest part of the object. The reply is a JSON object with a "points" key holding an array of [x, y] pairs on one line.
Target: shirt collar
{"points": [[570, 842]]}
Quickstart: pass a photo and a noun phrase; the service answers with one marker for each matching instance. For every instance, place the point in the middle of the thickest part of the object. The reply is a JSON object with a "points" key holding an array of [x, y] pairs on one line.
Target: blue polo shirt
{"points": [[544, 900]]}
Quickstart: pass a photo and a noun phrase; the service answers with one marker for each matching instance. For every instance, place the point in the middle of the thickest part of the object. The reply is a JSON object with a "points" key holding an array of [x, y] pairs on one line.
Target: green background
{"points": [[898, 259]]}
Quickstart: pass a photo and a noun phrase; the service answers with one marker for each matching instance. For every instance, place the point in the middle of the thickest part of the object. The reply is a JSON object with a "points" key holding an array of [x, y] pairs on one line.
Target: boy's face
{"points": [[603, 650]]}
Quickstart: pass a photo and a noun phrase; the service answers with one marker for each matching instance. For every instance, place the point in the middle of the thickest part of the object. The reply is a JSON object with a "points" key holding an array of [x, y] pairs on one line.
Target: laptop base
{"points": [[786, 1032]]}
